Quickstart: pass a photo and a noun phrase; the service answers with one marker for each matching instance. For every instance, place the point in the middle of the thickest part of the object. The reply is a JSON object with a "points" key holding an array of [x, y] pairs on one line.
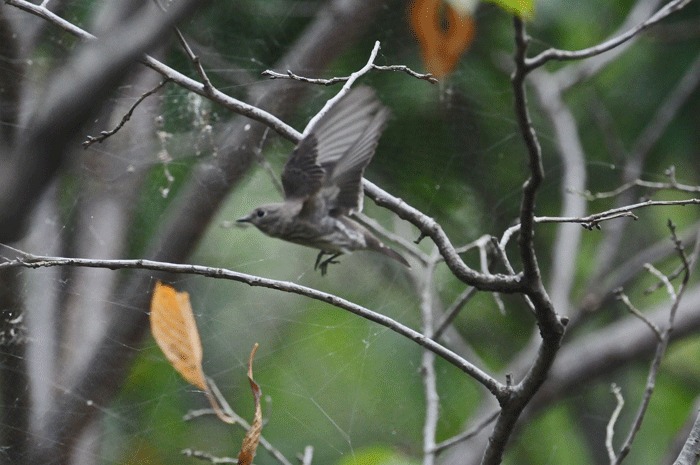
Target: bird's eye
{"points": [[260, 213]]}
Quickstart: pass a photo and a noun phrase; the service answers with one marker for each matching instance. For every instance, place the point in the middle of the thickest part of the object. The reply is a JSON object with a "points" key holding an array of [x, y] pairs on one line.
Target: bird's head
{"points": [[269, 218]]}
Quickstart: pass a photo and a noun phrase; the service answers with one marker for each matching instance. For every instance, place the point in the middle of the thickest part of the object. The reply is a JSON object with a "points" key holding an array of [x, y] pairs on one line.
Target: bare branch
{"points": [[550, 325], [673, 184], [594, 220], [426, 77], [623, 297], [407, 245], [563, 55], [27, 260], [430, 228], [467, 434], [663, 343], [329, 82], [664, 279], [346, 88], [296, 77], [452, 312], [198, 454], [237, 419], [676, 273], [534, 156], [610, 430], [105, 134]]}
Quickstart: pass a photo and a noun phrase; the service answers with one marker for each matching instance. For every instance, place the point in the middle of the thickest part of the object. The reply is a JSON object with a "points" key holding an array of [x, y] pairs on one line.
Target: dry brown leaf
{"points": [[252, 437], [174, 329]]}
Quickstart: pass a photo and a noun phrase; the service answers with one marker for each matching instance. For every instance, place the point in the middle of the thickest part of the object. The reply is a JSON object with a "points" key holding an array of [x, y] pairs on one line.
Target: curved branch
{"points": [[428, 227], [565, 55], [32, 261]]}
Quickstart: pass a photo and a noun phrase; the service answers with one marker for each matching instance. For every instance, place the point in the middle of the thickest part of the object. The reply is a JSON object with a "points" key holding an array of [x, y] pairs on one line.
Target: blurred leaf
{"points": [[377, 455], [442, 32], [174, 329], [523, 8]]}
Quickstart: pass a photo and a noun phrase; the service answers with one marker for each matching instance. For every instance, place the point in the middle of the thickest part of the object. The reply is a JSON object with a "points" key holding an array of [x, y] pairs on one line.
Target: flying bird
{"points": [[322, 182]]}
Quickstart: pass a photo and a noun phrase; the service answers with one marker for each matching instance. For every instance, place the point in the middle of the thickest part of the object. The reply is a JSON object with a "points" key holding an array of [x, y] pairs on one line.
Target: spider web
{"points": [[346, 386]]}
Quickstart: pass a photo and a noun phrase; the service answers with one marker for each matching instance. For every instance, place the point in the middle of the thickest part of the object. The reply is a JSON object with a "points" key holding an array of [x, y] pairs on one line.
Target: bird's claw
{"points": [[323, 265]]}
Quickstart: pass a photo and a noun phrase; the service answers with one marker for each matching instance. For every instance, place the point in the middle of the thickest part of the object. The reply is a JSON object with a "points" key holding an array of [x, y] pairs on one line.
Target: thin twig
{"points": [[329, 82], [563, 55], [346, 88], [27, 260], [625, 300], [105, 134], [198, 454], [664, 279], [428, 227], [408, 246], [266, 165], [673, 184], [595, 219], [208, 87], [308, 455], [676, 273], [689, 265], [452, 312], [426, 77], [237, 419], [290, 75], [467, 434], [610, 430]]}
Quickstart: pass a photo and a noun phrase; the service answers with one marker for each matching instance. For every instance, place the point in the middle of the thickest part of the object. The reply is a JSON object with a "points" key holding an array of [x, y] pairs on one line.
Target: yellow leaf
{"points": [[174, 329]]}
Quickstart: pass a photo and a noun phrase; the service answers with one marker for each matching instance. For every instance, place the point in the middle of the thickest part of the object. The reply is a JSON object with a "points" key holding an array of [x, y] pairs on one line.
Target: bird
{"points": [[322, 183]]}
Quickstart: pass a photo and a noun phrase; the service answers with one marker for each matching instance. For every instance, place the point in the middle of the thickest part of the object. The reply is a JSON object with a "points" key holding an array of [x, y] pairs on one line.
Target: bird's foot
{"points": [[323, 265]]}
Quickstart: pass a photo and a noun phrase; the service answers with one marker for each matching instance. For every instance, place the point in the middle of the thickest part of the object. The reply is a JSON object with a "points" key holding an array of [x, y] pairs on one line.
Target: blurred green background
{"points": [[348, 387]]}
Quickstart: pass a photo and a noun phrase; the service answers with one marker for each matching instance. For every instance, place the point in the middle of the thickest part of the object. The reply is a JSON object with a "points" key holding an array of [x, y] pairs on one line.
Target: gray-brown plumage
{"points": [[322, 182]]}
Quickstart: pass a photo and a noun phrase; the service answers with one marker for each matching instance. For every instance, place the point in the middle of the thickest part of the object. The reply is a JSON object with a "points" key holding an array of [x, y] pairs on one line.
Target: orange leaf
{"points": [[252, 437], [441, 47], [174, 329]]}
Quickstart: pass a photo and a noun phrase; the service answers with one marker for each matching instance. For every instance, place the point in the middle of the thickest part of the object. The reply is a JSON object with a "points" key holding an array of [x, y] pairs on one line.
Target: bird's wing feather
{"points": [[347, 173], [332, 157], [338, 130], [302, 177]]}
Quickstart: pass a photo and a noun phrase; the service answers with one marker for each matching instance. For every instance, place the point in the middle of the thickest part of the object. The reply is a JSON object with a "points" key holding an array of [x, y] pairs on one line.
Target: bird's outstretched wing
{"points": [[346, 175], [302, 176], [332, 157]]}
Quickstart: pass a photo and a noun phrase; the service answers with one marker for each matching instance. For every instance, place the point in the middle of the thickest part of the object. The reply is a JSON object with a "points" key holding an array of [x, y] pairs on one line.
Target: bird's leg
{"points": [[323, 265]]}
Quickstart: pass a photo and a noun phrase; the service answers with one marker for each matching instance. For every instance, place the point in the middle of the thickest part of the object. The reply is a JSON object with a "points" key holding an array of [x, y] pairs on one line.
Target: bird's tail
{"points": [[378, 246]]}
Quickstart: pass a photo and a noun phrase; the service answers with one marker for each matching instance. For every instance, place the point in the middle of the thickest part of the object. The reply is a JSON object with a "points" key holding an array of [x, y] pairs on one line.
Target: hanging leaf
{"points": [[174, 329], [444, 33], [252, 437]]}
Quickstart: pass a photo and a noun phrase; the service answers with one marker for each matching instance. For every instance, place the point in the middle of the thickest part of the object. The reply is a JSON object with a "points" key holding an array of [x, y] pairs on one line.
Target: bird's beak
{"points": [[245, 219]]}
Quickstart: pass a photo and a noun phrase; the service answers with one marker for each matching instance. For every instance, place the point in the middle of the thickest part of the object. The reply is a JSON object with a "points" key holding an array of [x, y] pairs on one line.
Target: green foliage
{"points": [[523, 8]]}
